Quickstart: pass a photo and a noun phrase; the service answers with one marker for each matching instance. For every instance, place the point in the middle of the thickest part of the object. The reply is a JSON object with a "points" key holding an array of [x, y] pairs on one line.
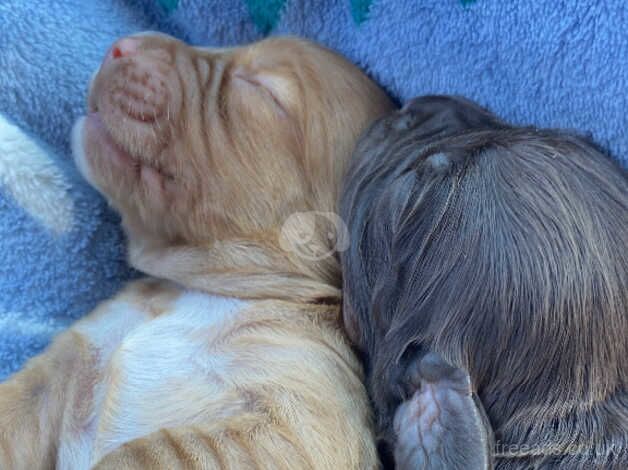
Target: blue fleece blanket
{"points": [[544, 62]]}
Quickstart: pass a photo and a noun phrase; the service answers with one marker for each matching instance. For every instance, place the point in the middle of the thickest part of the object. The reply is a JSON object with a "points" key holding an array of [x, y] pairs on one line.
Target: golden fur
{"points": [[206, 154]]}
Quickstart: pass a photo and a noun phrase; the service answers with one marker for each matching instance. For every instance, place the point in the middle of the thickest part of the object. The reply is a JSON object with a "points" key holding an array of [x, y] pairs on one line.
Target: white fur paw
{"points": [[33, 180]]}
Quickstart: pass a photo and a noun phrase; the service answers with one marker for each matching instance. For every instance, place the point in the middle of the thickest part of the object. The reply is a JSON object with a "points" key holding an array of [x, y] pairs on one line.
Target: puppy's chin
{"points": [[77, 141], [98, 158], [137, 191], [105, 164]]}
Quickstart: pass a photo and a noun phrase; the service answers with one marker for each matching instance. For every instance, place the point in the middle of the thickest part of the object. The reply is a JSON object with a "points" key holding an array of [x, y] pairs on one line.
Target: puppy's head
{"points": [[194, 145], [382, 181], [501, 248]]}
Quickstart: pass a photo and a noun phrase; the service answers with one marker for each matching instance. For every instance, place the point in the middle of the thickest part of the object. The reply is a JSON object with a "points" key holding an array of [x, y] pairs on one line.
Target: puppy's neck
{"points": [[249, 268]]}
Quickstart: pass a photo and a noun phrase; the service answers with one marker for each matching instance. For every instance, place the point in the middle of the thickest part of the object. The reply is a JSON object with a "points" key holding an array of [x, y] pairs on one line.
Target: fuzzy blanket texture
{"points": [[550, 63]]}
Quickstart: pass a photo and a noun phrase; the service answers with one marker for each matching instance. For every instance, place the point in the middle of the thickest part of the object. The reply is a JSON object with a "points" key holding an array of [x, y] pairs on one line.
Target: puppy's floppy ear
{"points": [[442, 424], [430, 116]]}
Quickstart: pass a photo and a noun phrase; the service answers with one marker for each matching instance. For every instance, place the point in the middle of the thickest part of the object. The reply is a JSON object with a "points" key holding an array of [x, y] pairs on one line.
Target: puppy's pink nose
{"points": [[125, 47]]}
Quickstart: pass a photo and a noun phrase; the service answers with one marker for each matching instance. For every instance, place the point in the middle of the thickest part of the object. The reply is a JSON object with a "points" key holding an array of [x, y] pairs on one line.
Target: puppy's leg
{"points": [[53, 398], [441, 426], [32, 405], [238, 446]]}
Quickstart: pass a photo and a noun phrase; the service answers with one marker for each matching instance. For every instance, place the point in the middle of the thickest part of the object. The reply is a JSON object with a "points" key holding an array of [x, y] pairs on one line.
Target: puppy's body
{"points": [[232, 356], [505, 250], [161, 377]]}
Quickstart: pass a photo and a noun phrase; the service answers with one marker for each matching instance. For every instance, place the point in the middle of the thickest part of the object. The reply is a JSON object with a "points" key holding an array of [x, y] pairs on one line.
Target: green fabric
{"points": [[360, 10], [169, 5], [265, 13]]}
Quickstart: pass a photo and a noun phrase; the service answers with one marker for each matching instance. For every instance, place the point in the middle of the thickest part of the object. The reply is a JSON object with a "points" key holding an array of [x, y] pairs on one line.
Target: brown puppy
{"points": [[503, 251], [213, 158]]}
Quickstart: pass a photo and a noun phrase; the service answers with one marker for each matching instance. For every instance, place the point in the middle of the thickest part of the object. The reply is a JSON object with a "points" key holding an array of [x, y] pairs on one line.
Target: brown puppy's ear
{"points": [[442, 425], [432, 116]]}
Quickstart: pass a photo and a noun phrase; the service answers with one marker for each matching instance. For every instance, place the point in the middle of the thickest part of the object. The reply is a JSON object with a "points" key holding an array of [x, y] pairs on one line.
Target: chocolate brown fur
{"points": [[505, 250]]}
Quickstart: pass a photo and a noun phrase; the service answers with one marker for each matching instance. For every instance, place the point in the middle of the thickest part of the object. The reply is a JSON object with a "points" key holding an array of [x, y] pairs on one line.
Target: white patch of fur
{"points": [[33, 180], [75, 453], [153, 368], [104, 332], [108, 328], [164, 365]]}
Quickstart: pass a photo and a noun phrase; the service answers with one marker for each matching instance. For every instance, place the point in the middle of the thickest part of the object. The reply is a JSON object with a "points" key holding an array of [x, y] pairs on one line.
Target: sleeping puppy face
{"points": [[197, 144]]}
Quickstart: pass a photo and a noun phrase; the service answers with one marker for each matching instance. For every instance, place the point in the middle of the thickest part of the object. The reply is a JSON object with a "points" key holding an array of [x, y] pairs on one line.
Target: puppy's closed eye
{"points": [[276, 89]]}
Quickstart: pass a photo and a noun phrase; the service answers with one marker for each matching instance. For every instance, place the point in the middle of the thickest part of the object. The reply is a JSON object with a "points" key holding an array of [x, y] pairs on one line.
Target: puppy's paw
{"points": [[441, 426]]}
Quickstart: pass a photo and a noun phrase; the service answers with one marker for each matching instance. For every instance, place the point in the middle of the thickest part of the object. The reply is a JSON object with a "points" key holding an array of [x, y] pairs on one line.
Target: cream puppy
{"points": [[231, 354]]}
